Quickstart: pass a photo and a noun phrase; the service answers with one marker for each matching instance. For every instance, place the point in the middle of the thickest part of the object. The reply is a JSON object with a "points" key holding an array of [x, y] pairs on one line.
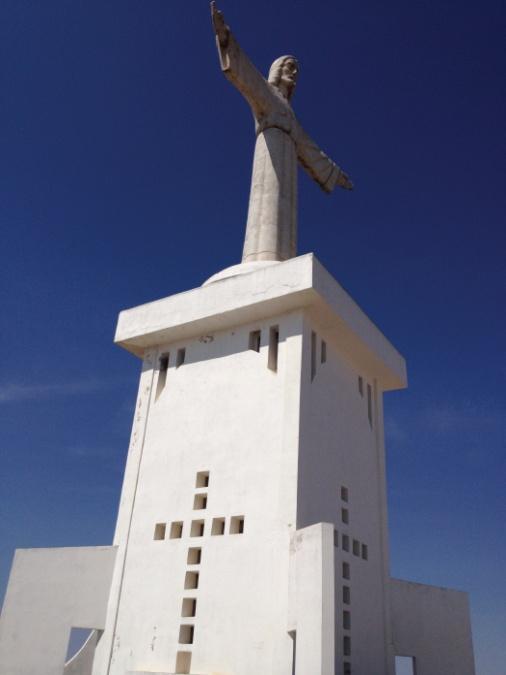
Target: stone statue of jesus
{"points": [[271, 229]]}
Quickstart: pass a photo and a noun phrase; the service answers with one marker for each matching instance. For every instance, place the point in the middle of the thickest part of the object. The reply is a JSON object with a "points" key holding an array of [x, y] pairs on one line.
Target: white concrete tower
{"points": [[252, 526]]}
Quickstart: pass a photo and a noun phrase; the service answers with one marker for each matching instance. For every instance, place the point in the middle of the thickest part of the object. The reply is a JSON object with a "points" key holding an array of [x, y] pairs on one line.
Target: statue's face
{"points": [[289, 72]]}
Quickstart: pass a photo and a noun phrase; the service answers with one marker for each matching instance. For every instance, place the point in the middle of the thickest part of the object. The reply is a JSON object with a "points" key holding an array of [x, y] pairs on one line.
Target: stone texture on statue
{"points": [[271, 229]]}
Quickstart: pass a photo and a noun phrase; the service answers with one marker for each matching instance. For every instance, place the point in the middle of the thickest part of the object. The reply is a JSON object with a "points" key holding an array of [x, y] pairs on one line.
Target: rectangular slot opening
{"points": [[323, 353], [346, 595], [346, 542], [218, 526], [191, 580], [237, 525], [176, 529], [254, 340], [360, 385], [365, 552], [183, 663], [293, 635], [346, 645], [186, 632], [272, 361], [197, 528], [346, 570], [345, 516], [346, 620], [189, 607], [313, 355], [202, 480], [336, 538], [369, 404], [160, 531], [356, 547], [194, 555], [180, 357], [200, 502], [346, 668], [405, 665], [344, 493], [163, 366]]}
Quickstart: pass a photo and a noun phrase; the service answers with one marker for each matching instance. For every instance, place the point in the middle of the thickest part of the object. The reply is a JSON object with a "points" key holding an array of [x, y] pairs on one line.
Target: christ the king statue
{"points": [[271, 230]]}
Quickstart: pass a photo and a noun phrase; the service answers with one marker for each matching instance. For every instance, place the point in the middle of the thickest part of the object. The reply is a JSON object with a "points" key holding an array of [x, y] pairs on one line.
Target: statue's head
{"points": [[283, 75]]}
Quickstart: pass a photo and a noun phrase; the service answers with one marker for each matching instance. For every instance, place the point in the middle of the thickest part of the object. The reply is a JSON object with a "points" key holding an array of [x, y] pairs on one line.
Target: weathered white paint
{"points": [[50, 591], [432, 624]]}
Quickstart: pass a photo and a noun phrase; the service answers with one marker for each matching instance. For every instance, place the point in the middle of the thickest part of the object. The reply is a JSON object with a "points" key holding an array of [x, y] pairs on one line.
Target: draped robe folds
{"points": [[271, 229]]}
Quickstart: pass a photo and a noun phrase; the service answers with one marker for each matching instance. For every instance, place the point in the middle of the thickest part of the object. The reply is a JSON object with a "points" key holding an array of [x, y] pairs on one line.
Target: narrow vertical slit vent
{"points": [[163, 366], [180, 357], [254, 340], [369, 403], [272, 361], [313, 355], [323, 353]]}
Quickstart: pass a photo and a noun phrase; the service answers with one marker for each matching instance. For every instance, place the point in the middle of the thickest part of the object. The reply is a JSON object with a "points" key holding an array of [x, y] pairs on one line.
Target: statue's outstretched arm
{"points": [[237, 67], [320, 167]]}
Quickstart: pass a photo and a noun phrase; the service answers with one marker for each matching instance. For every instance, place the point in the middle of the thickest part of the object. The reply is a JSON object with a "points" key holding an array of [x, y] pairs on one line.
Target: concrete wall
{"points": [[49, 592], [222, 411], [340, 447], [432, 624]]}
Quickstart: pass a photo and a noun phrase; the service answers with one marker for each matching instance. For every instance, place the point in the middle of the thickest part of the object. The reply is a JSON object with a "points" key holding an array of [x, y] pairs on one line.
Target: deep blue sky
{"points": [[125, 161]]}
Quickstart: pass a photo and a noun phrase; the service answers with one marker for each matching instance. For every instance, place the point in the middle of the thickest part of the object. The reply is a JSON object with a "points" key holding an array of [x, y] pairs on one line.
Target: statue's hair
{"points": [[275, 70]]}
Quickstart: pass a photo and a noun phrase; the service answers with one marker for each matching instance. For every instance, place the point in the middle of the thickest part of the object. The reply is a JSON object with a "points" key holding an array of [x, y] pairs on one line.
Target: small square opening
{"points": [[346, 542], [356, 547], [344, 493], [254, 340], [346, 570], [197, 528], [183, 663], [345, 516], [194, 555], [186, 634], [191, 580], [189, 607], [365, 552], [176, 529], [160, 529], [202, 480], [180, 357], [237, 525], [405, 665], [218, 526], [346, 595], [346, 620], [200, 502]]}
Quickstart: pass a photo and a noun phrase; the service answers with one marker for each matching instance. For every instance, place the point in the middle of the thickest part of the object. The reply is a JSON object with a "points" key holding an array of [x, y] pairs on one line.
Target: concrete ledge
{"points": [[299, 283]]}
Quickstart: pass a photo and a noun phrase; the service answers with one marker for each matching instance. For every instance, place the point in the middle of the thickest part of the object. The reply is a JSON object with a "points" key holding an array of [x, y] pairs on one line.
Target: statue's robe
{"points": [[271, 229]]}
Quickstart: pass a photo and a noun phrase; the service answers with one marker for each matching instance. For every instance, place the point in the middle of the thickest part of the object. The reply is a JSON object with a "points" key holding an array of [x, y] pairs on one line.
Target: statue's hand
{"points": [[220, 27], [344, 181]]}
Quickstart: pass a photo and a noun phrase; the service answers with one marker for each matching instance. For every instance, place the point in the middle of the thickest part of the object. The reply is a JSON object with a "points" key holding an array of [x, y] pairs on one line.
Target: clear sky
{"points": [[125, 161]]}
